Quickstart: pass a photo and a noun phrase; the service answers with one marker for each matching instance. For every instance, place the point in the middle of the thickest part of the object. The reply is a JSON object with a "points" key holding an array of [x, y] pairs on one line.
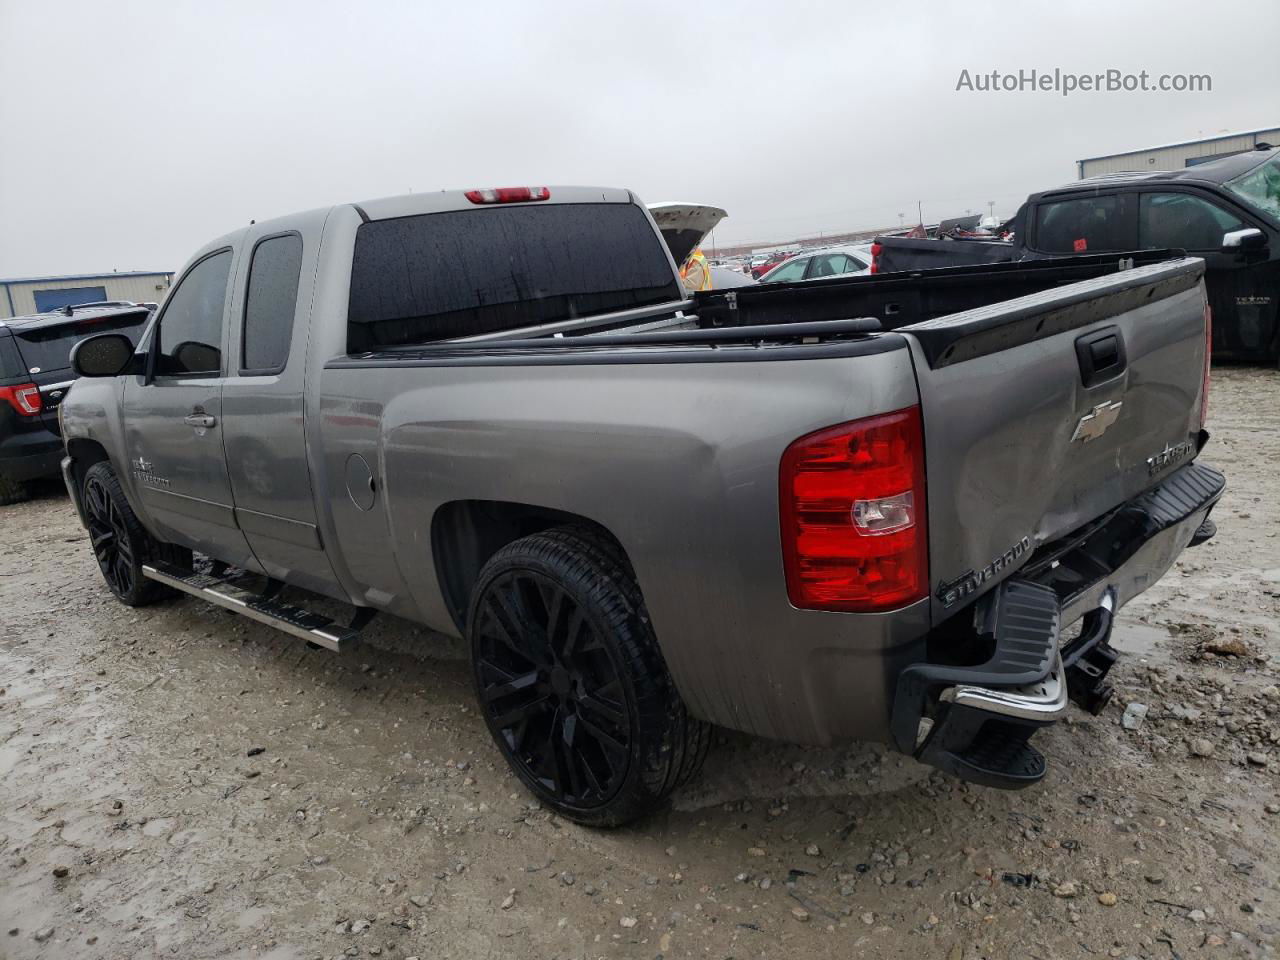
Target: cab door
{"points": [[173, 418], [263, 401], [1241, 291]]}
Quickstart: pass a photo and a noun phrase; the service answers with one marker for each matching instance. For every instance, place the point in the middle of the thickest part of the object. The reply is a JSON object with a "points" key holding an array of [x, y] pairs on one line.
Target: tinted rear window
{"points": [[1086, 225], [270, 302], [49, 347], [442, 275]]}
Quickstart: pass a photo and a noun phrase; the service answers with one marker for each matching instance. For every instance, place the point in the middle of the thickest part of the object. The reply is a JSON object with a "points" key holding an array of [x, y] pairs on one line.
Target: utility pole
{"points": [[991, 209], [920, 213]]}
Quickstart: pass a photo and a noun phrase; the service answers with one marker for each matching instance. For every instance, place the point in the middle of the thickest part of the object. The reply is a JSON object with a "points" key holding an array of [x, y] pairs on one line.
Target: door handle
{"points": [[199, 420]]}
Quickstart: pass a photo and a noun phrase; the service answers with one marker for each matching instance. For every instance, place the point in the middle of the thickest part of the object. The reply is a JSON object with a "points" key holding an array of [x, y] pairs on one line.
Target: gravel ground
{"points": [[176, 781]]}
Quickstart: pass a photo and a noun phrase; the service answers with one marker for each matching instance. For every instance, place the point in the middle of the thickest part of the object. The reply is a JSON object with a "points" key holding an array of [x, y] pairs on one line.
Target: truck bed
{"points": [[901, 300]]}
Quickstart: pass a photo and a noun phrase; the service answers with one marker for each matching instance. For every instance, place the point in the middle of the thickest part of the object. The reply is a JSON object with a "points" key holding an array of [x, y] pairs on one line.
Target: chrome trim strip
{"points": [[1046, 700], [50, 387]]}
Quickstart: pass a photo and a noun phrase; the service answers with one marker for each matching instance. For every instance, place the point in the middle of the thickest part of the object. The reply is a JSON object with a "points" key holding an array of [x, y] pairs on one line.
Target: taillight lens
{"points": [[875, 258], [25, 398], [1208, 355], [853, 515], [509, 194]]}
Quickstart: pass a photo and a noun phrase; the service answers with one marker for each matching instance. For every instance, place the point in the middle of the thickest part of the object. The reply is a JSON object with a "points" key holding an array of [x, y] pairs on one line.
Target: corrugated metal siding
{"points": [[1174, 158], [138, 289]]}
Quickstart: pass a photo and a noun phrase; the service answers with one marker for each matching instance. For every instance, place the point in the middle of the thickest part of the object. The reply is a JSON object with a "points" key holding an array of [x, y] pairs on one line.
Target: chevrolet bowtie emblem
{"points": [[1095, 423]]}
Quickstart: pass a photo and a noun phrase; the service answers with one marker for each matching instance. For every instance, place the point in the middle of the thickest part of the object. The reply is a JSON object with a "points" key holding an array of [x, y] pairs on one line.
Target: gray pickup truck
{"points": [[872, 508]]}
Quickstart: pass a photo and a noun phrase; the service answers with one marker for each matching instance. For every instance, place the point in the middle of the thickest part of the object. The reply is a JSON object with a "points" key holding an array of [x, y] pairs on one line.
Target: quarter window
{"points": [[1084, 225], [269, 304], [189, 334], [832, 265], [1183, 221]]}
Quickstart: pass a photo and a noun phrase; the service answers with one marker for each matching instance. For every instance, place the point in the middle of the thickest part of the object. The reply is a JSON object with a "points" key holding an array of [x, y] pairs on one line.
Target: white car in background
{"points": [[846, 260]]}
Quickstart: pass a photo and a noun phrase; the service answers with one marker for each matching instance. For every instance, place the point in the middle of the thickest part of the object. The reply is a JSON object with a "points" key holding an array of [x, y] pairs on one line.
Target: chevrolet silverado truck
{"points": [[1225, 211], [874, 508]]}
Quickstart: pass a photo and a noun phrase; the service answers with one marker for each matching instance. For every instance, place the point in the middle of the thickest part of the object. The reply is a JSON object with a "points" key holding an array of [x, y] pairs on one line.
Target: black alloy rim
{"points": [[551, 690], [109, 536]]}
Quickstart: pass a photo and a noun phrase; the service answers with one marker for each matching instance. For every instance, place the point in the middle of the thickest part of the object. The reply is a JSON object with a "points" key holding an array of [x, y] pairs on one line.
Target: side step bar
{"points": [[296, 621]]}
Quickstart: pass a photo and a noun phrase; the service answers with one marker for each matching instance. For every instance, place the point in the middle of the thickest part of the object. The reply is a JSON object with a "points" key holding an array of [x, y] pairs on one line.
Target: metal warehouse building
{"points": [[1175, 155], [29, 295]]}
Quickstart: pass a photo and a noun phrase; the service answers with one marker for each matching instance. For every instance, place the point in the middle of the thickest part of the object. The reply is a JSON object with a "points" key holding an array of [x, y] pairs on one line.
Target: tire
{"points": [[120, 543], [572, 684], [12, 491]]}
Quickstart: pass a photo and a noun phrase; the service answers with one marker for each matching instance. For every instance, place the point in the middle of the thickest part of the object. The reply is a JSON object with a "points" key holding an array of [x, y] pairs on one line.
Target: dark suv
{"points": [[35, 374]]}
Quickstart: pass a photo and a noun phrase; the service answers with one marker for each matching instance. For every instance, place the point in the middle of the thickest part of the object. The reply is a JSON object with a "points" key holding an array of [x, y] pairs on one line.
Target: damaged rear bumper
{"points": [[975, 720]]}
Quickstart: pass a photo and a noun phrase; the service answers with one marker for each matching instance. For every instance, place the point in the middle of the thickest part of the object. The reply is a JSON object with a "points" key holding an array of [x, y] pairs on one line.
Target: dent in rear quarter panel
{"points": [[1001, 462], [680, 462]]}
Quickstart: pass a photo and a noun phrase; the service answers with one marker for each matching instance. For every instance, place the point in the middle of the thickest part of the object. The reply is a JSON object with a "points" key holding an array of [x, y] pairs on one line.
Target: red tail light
{"points": [[875, 258], [1208, 354], [25, 398], [853, 515], [509, 194]]}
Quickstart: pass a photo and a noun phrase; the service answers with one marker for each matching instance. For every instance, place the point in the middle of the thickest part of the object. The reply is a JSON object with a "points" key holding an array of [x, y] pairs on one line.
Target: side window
{"points": [[269, 304], [829, 265], [789, 271], [1184, 221], [1084, 225], [189, 332]]}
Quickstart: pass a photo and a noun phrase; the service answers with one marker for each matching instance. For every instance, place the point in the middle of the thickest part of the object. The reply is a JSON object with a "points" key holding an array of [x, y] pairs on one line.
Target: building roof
{"points": [[90, 276], [1182, 143]]}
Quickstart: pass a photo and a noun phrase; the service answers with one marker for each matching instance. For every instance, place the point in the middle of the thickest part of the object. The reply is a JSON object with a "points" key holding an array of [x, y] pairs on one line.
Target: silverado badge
{"points": [[952, 591], [1095, 423], [1171, 454]]}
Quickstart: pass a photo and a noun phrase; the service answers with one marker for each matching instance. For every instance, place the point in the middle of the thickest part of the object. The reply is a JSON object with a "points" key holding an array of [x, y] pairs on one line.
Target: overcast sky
{"points": [[132, 132]]}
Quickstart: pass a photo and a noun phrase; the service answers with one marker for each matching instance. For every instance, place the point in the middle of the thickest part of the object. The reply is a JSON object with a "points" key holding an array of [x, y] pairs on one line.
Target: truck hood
{"points": [[684, 226]]}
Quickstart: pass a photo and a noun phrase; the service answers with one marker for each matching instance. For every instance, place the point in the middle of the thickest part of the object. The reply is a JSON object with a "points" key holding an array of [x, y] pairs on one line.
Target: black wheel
{"points": [[571, 681], [11, 491], [120, 543]]}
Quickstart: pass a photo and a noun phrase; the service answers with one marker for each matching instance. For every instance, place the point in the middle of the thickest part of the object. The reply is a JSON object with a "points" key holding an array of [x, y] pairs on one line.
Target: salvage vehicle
{"points": [[877, 508], [1226, 212], [35, 374], [846, 259]]}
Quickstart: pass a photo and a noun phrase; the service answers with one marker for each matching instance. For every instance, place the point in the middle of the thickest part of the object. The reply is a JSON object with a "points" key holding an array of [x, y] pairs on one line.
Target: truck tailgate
{"points": [[1043, 413]]}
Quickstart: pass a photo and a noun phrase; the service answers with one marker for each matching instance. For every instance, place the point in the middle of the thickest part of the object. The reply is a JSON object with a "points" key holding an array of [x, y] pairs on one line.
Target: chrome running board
{"points": [[295, 621]]}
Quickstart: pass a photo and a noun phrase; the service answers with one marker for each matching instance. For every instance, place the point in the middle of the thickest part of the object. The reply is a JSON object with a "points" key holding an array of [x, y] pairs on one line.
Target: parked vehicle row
{"points": [[846, 507], [1226, 212]]}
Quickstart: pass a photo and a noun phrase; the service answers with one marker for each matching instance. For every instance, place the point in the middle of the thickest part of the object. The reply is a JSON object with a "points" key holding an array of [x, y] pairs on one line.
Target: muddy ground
{"points": [[178, 782]]}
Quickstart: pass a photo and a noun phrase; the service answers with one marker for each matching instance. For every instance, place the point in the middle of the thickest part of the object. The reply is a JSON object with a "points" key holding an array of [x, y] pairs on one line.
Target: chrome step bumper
{"points": [[1044, 700]]}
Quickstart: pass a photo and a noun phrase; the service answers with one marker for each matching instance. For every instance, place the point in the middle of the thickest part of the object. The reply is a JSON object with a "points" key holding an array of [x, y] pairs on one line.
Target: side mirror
{"points": [[1238, 241], [106, 355]]}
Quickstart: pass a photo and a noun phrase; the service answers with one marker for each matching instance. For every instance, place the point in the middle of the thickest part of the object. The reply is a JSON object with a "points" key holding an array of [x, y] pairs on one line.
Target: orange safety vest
{"points": [[695, 273]]}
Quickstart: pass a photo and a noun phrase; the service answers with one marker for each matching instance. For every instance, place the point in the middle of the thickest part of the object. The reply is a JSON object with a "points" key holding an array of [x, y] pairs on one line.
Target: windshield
{"points": [[441, 275], [1260, 187]]}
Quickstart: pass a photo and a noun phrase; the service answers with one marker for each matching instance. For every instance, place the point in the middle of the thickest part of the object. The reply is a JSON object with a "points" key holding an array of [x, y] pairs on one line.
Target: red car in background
{"points": [[758, 270]]}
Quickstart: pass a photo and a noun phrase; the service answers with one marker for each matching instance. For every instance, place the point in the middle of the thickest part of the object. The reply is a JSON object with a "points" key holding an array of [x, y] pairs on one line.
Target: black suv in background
{"points": [[35, 374]]}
